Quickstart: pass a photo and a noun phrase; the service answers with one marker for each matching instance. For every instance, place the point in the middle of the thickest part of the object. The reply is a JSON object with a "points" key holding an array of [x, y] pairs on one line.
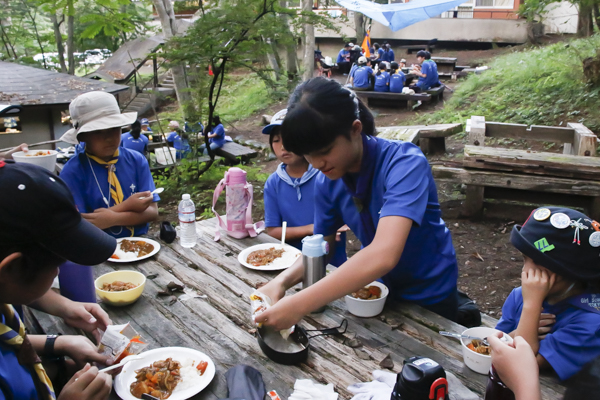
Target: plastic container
{"points": [[77, 282], [479, 363], [236, 202], [314, 258], [47, 161], [163, 157], [368, 308], [187, 222], [124, 297]]}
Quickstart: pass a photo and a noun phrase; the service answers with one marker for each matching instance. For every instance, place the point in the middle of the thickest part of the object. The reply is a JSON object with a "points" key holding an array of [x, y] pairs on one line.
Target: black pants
{"points": [[447, 308], [344, 67]]}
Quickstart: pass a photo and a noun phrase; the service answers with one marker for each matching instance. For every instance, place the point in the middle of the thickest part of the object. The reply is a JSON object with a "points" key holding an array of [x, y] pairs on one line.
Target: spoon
{"points": [[459, 336], [283, 226], [155, 191], [122, 363]]}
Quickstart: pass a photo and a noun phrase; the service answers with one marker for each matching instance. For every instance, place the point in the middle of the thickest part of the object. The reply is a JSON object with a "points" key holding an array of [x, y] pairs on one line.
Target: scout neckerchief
{"points": [[12, 333], [116, 193], [296, 182], [360, 189]]}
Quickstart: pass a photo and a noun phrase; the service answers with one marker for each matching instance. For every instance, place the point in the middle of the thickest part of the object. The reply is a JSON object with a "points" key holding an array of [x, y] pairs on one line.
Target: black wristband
{"points": [[49, 345]]}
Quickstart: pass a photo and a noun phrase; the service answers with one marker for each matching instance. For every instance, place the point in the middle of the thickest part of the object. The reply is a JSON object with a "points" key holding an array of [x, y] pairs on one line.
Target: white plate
{"points": [[135, 239], [124, 380], [278, 264]]}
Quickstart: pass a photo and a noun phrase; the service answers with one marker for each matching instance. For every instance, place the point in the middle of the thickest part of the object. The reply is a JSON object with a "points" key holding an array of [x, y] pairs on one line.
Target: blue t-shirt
{"points": [[428, 68], [402, 186], [388, 55], [282, 204], [134, 176], [397, 82], [573, 341], [140, 144], [343, 56], [181, 145], [16, 381], [220, 138], [361, 77], [380, 52], [382, 82]]}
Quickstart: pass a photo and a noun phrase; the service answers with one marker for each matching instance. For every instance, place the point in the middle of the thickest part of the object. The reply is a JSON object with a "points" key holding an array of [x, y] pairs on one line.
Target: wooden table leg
{"points": [[595, 208], [410, 104], [473, 205]]}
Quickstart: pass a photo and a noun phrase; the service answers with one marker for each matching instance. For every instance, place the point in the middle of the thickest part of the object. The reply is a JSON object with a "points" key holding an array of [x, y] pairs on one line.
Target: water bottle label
{"points": [[187, 217]]}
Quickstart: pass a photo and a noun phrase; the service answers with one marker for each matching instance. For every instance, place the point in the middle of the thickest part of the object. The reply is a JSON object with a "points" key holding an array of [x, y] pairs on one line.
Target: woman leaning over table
{"points": [[383, 190]]}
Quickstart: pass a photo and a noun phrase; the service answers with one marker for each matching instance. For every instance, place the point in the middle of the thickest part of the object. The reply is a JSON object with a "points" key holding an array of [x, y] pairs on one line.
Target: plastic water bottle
{"points": [[187, 221]]}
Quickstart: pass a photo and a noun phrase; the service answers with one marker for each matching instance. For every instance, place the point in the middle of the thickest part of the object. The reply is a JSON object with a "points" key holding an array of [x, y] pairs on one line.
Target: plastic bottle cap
{"points": [[235, 176], [314, 246], [185, 197]]}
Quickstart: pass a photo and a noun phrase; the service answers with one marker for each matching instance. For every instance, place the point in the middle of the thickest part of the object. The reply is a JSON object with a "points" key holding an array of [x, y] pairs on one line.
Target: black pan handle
{"points": [[329, 331]]}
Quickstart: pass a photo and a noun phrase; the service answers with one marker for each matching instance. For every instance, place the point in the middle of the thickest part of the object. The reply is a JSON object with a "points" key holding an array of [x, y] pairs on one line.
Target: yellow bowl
{"points": [[124, 297]]}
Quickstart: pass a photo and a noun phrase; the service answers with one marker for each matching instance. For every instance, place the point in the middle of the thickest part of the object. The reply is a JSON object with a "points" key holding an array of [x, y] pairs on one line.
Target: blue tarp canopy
{"points": [[401, 15]]}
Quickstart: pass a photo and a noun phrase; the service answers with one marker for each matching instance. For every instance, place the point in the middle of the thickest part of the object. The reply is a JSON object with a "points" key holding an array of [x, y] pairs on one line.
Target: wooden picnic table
{"points": [[219, 324]]}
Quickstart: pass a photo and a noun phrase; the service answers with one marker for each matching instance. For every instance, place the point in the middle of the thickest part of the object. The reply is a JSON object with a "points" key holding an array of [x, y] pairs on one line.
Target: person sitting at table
{"points": [[216, 138], [343, 58], [382, 79], [428, 73], [134, 140], [111, 184], [145, 125], [397, 79], [557, 308], [289, 195], [388, 54], [361, 78], [30, 254], [383, 190], [376, 53], [179, 140], [402, 63]]}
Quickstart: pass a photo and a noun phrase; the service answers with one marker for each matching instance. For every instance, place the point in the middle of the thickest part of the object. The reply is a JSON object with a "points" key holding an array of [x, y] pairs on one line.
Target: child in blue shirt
{"points": [[557, 308], [428, 76], [388, 54], [289, 194], [216, 138], [179, 140], [134, 140], [361, 77], [397, 79], [382, 79], [343, 58], [383, 190], [111, 185]]}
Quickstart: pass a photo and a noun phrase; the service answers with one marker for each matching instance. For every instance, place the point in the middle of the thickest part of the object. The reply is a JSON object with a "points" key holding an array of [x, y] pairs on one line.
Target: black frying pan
{"points": [[295, 349]]}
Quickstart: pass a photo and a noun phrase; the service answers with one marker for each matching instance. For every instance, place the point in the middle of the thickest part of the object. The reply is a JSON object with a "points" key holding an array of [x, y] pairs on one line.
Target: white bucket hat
{"points": [[94, 111]]}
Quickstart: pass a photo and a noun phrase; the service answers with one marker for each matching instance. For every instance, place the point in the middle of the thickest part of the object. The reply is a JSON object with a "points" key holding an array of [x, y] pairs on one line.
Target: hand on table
{"points": [[87, 384], [80, 349], [536, 284], [516, 366], [546, 323], [282, 315], [87, 316]]}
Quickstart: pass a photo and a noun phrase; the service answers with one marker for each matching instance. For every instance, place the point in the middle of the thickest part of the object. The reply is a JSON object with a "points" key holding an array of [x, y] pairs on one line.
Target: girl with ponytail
{"points": [[382, 78], [383, 190]]}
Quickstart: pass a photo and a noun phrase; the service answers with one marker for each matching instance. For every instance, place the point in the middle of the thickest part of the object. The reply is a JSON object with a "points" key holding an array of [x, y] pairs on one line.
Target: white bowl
{"points": [[47, 161], [368, 308], [479, 363]]}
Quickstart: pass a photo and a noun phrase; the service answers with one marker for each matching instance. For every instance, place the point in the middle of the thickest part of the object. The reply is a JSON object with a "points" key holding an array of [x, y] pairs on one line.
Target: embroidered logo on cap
{"points": [[543, 245]]}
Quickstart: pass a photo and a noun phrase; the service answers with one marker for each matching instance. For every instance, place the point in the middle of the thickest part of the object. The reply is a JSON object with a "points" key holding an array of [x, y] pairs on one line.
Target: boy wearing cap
{"points": [[30, 254], [111, 185], [145, 125], [179, 140], [557, 308], [289, 194], [360, 78]]}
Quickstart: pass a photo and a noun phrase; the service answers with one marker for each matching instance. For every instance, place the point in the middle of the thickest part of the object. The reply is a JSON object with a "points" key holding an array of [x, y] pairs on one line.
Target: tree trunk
{"points": [[585, 25], [273, 59], [359, 23], [308, 63], [169, 27], [70, 36], [37, 33], [596, 7], [59, 42], [291, 55]]}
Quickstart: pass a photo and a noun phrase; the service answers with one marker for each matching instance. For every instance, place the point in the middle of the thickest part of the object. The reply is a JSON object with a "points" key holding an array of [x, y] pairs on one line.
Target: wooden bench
{"points": [[446, 66], [437, 93], [392, 99], [234, 152], [429, 46], [430, 138]]}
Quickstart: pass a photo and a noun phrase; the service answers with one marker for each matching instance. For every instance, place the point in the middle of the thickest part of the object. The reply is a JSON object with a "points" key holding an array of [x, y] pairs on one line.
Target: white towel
{"points": [[305, 389]]}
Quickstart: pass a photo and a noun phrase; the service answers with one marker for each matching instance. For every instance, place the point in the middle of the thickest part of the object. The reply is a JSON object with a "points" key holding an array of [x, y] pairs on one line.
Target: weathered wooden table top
{"points": [[219, 325]]}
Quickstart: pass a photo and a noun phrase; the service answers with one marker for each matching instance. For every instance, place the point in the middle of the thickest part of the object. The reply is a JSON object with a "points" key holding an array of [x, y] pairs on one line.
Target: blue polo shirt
{"points": [[181, 145], [361, 77], [397, 82], [132, 171], [380, 52], [388, 55], [140, 144], [382, 82], [220, 138], [16, 382], [402, 186], [282, 204], [573, 341], [342, 56], [428, 68]]}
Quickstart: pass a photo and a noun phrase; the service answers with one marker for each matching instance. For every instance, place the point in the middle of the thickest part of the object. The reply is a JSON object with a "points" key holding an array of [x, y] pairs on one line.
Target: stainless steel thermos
{"points": [[314, 258]]}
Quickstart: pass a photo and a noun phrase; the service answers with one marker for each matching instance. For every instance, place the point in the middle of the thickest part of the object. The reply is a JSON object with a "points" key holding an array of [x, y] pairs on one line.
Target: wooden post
{"points": [[473, 205], [477, 132], [585, 141], [595, 208]]}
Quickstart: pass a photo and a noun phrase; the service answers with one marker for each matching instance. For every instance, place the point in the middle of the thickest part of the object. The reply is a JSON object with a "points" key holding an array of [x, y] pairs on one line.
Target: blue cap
{"points": [[276, 120], [144, 121], [314, 246]]}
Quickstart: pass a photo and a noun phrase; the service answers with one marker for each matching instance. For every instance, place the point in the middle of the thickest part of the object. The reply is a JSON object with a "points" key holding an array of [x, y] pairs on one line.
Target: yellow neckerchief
{"points": [[13, 334], [116, 193]]}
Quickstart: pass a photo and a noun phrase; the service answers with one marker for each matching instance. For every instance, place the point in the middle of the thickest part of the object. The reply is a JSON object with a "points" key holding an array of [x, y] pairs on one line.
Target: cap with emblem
{"points": [[565, 241], [37, 207], [276, 120]]}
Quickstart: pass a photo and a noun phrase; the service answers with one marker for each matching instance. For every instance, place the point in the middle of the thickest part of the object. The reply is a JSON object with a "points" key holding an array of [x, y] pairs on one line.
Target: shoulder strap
{"points": [[220, 223], [252, 228]]}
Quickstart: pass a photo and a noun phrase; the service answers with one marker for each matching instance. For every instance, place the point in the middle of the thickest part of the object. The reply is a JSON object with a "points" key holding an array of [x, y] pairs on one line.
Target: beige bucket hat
{"points": [[94, 111]]}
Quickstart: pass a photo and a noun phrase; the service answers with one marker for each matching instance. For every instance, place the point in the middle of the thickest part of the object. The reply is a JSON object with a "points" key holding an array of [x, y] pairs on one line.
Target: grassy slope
{"points": [[542, 86]]}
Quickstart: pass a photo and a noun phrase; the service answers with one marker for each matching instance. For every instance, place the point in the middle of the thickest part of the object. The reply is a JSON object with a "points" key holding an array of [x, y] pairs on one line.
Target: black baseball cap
{"points": [[37, 207], [565, 241]]}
